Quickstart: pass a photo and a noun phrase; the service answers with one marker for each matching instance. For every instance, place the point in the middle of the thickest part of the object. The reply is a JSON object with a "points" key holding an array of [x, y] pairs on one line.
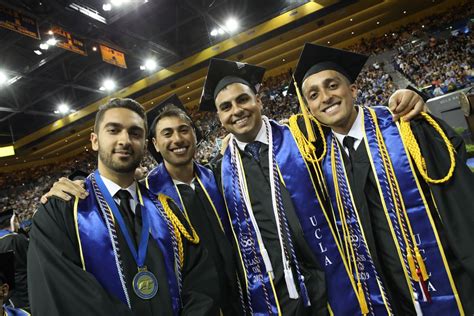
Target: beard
{"points": [[118, 165]]}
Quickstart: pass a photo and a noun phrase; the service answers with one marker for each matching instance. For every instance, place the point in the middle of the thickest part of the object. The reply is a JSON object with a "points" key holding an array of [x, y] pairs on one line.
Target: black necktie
{"points": [[124, 206], [253, 149], [348, 143]]}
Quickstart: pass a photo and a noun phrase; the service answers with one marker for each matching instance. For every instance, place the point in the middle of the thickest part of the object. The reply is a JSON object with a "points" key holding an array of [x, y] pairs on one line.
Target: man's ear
{"points": [[353, 88], [259, 101], [94, 141]]}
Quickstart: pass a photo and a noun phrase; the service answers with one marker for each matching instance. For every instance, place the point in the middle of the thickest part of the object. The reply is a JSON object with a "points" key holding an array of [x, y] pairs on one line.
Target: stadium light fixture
{"points": [[150, 64], [52, 41], [63, 108], [108, 85], [3, 77], [232, 25], [220, 31], [214, 32], [106, 7], [44, 46], [38, 52]]}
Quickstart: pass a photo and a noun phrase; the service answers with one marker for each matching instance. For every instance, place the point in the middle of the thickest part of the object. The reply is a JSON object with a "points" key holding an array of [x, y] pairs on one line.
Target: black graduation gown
{"points": [[257, 174], [59, 286], [454, 222], [202, 217], [18, 243]]}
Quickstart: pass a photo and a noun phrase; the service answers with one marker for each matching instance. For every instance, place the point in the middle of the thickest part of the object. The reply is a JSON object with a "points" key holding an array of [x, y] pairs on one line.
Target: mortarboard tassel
{"points": [[304, 111], [411, 264], [421, 264], [362, 302]]}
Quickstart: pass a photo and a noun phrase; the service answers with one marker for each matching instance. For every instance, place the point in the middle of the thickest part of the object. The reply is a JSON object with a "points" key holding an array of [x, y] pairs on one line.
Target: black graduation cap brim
{"points": [[152, 116], [315, 58], [5, 217], [78, 175], [7, 268], [231, 72]]}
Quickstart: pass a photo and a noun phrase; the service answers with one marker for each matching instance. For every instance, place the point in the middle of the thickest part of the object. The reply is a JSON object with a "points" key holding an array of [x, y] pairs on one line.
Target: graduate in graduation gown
{"points": [[372, 155], [81, 263], [275, 259], [18, 243], [7, 285], [172, 142], [190, 185]]}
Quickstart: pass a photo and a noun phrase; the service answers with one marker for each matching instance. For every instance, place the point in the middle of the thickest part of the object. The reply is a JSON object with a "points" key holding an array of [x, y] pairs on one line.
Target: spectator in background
{"points": [[10, 240]]}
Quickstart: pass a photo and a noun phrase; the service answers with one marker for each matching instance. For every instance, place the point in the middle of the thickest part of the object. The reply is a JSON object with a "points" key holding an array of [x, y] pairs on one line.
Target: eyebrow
{"points": [[237, 97], [118, 125], [167, 129], [325, 82]]}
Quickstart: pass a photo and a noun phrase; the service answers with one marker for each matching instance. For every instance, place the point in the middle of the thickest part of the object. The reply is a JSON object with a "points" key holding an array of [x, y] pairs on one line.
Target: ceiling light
{"points": [[232, 25], [117, 3], [38, 52], [378, 22], [50, 32], [352, 33], [107, 7], [351, 19], [94, 48], [214, 32], [404, 12], [220, 31], [44, 46], [142, 67], [150, 64], [63, 108], [329, 42], [52, 41], [3, 77], [108, 84]]}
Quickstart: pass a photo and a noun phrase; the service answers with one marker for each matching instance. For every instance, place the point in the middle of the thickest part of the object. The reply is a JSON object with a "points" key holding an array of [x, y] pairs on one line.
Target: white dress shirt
{"points": [[355, 131], [261, 137], [114, 188]]}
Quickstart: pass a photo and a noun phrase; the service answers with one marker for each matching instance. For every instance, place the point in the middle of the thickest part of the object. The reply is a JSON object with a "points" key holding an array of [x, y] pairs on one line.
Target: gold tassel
{"points": [[304, 111], [362, 302], [411, 264], [421, 264]]}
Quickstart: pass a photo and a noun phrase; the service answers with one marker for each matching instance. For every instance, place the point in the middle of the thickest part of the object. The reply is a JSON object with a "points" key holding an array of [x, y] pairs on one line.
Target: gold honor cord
{"points": [[179, 228], [413, 254], [307, 149], [412, 145], [349, 247]]}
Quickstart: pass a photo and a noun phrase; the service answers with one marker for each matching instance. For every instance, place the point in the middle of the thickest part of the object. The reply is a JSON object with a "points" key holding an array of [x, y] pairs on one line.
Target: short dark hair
{"points": [[119, 103], [170, 110]]}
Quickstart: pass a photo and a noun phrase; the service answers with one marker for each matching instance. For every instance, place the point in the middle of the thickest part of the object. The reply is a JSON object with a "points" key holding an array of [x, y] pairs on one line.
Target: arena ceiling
{"points": [[176, 34]]}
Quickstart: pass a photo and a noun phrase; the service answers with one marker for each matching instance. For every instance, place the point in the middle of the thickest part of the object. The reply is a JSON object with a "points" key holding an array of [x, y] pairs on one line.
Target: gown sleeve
{"points": [[454, 199], [57, 283]]}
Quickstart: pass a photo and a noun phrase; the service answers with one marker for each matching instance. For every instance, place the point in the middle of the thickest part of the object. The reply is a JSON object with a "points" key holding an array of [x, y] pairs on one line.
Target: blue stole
{"points": [[444, 297], [4, 232], [10, 311], [159, 181], [97, 235], [314, 222]]}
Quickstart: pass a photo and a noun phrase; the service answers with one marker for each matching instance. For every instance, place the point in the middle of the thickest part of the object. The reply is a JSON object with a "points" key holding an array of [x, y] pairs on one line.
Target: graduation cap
{"points": [[222, 73], [7, 269], [316, 58], [78, 175], [5, 217], [152, 118]]}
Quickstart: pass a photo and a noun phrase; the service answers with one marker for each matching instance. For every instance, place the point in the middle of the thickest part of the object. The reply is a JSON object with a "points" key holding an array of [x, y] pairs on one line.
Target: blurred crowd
{"points": [[429, 53]]}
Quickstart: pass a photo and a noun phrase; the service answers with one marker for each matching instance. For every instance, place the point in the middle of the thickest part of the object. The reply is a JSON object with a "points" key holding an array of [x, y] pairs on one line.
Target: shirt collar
{"points": [[355, 131], [261, 137], [192, 185], [114, 188]]}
